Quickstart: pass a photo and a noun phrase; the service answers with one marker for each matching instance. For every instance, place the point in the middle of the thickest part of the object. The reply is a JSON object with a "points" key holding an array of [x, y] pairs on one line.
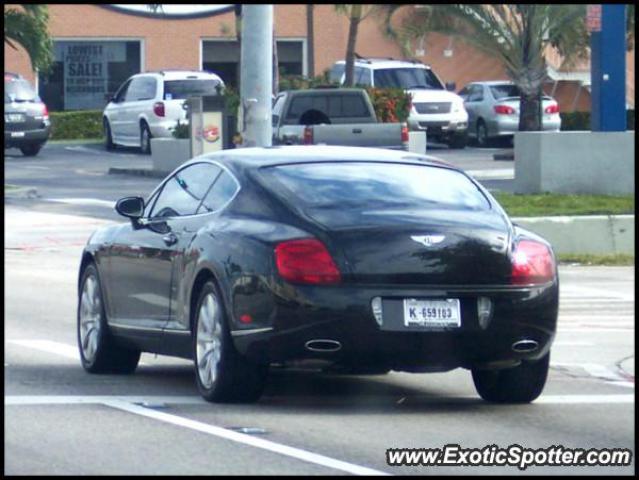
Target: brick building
{"points": [[98, 46]]}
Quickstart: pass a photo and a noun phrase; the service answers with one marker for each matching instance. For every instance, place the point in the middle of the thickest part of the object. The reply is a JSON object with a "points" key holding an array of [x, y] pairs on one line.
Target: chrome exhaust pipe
{"points": [[525, 346], [325, 346]]}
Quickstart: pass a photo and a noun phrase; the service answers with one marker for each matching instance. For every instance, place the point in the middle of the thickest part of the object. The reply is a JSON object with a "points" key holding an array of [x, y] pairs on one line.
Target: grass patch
{"points": [[618, 259], [551, 204]]}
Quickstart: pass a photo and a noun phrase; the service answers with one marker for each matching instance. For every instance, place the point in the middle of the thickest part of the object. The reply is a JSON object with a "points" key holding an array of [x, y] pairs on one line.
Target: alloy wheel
{"points": [[90, 311], [208, 340]]}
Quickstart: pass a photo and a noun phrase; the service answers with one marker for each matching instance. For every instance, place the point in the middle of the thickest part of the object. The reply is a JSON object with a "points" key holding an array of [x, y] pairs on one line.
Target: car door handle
{"points": [[170, 239], [357, 130]]}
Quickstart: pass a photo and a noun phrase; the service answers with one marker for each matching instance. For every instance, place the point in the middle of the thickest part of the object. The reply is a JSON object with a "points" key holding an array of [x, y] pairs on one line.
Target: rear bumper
{"points": [[344, 315], [18, 138], [439, 125], [509, 124]]}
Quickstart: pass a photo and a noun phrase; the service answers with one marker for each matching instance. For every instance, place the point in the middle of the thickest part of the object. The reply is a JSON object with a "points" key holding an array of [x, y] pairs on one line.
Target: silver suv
{"points": [[150, 104], [434, 109]]}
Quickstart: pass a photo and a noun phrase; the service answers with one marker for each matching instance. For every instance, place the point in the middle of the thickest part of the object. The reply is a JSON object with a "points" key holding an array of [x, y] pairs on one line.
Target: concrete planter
{"points": [[575, 162], [169, 153]]}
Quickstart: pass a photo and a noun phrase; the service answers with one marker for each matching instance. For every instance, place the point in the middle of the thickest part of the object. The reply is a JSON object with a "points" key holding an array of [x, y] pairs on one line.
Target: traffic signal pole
{"points": [[608, 70]]}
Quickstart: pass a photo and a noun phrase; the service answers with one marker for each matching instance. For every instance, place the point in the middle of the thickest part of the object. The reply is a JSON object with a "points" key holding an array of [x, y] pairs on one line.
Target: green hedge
{"points": [[75, 125], [581, 120]]}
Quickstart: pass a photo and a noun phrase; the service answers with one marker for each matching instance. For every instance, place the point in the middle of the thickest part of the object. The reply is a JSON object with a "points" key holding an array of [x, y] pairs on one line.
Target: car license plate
{"points": [[432, 313], [17, 134], [14, 118]]}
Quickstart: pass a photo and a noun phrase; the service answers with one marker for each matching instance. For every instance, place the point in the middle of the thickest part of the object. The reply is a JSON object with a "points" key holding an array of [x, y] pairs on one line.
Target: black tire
{"points": [[107, 357], [108, 137], [236, 379], [482, 134], [31, 150], [145, 138], [458, 141], [521, 384]]}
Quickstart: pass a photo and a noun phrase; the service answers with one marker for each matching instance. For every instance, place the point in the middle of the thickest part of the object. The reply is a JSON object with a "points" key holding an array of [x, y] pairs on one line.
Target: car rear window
{"points": [[406, 78], [363, 185], [505, 91], [19, 91], [181, 89], [334, 106]]}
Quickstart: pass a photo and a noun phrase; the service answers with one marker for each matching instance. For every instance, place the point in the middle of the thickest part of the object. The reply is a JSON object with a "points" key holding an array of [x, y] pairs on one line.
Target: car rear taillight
{"points": [[45, 112], [532, 262], [308, 135], [158, 109], [552, 108], [504, 110], [306, 261], [404, 133]]}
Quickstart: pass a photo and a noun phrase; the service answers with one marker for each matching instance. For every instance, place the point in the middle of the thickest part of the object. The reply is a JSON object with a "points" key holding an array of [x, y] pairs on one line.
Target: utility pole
{"points": [[607, 24], [256, 75]]}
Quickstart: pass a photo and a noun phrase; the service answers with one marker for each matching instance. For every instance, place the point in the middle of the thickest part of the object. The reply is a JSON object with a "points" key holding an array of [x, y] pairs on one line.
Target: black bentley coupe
{"points": [[365, 260]]}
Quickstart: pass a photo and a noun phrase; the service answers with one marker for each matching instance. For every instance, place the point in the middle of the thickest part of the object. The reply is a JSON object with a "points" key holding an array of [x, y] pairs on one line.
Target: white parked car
{"points": [[435, 109], [150, 104], [493, 110]]}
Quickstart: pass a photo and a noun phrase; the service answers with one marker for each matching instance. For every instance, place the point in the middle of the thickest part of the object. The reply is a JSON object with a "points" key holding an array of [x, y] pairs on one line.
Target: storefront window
{"points": [[86, 72]]}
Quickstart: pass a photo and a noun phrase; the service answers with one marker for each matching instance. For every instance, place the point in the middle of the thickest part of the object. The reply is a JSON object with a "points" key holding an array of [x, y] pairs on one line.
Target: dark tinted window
{"points": [[406, 78], [121, 93], [184, 191], [180, 89], [476, 94], [505, 91], [223, 190], [19, 91], [364, 185], [334, 106], [135, 90], [362, 76]]}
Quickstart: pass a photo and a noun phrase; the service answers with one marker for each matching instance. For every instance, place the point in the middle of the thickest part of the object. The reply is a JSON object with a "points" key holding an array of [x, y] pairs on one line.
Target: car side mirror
{"points": [[451, 86], [131, 207]]}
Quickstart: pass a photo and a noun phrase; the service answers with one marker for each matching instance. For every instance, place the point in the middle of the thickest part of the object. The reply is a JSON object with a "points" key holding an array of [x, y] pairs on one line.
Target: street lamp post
{"points": [[256, 75]]}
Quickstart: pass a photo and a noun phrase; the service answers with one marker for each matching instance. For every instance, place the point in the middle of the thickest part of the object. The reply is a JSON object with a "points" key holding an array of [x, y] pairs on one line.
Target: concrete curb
{"points": [[140, 172], [504, 155], [593, 234]]}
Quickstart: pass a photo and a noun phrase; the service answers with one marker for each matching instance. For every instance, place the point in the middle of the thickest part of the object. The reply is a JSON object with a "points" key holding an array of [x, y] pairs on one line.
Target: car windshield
{"points": [[505, 91], [366, 185], [407, 78], [19, 91], [181, 89]]}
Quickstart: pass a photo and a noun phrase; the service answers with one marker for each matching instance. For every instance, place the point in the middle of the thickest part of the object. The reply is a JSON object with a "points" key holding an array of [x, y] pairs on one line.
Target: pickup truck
{"points": [[333, 116]]}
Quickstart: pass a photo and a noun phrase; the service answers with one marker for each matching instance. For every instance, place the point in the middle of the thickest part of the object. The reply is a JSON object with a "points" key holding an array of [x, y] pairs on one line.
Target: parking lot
{"points": [[307, 422]]}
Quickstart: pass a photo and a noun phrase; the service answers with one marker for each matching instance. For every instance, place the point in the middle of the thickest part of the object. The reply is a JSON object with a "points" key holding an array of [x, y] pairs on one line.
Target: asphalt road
{"points": [[60, 420]]}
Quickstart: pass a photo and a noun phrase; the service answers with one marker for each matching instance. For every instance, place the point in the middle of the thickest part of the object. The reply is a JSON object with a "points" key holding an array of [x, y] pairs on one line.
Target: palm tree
{"points": [[517, 34], [356, 13], [26, 25]]}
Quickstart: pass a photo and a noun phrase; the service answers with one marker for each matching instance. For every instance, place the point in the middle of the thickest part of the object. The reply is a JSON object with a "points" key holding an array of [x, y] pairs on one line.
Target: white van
{"points": [[435, 109], [150, 104]]}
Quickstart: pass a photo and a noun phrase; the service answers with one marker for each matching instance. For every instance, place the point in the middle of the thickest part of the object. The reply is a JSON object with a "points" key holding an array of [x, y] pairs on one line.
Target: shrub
{"points": [[581, 120], [181, 130], [390, 104], [74, 125]]}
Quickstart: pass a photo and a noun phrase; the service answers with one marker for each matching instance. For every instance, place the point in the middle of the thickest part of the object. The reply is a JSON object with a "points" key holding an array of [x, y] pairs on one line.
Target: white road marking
{"points": [[590, 329], [571, 343], [83, 201], [61, 349], [493, 174], [575, 291], [197, 400], [48, 346]]}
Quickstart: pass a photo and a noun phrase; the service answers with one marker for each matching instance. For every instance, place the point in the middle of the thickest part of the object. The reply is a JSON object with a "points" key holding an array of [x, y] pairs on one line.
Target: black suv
{"points": [[26, 119]]}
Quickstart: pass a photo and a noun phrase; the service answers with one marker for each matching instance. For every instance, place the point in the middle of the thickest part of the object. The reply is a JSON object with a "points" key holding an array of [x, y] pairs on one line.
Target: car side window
{"points": [[135, 90], [362, 76], [148, 88], [463, 93], [336, 73], [476, 94], [183, 192], [223, 190], [121, 93], [277, 108]]}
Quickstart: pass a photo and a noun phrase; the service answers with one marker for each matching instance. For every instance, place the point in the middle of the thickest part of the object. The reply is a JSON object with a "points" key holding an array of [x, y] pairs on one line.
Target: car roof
{"points": [[256, 157], [379, 63], [323, 91], [492, 82], [181, 74]]}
